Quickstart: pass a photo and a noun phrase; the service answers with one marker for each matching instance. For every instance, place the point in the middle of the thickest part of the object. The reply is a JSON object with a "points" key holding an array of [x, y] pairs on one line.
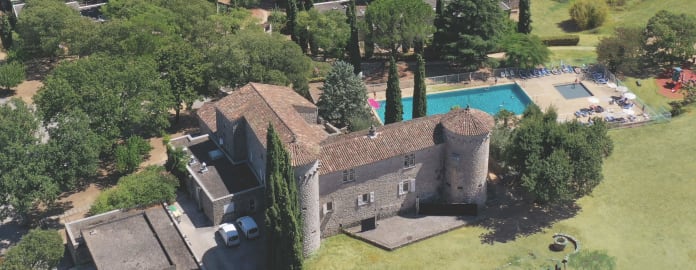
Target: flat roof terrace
{"points": [[141, 240], [223, 177]]}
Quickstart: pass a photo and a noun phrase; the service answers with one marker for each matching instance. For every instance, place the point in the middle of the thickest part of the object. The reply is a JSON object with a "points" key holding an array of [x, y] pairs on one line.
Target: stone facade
{"points": [[345, 179]]}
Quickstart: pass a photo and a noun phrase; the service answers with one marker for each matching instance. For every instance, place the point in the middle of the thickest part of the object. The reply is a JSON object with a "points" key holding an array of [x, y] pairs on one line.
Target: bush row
{"points": [[565, 40]]}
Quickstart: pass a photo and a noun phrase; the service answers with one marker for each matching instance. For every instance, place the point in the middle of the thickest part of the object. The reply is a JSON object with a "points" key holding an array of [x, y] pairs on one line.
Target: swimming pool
{"points": [[488, 99], [573, 90]]}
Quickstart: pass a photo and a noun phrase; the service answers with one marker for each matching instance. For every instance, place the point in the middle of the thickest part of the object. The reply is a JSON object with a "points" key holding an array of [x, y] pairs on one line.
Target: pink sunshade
{"points": [[373, 103]]}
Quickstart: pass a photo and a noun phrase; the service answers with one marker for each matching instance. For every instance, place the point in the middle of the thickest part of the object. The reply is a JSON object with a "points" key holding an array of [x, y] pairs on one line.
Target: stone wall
{"points": [[241, 202], [233, 138], [308, 193], [309, 114], [256, 155], [466, 165], [383, 179]]}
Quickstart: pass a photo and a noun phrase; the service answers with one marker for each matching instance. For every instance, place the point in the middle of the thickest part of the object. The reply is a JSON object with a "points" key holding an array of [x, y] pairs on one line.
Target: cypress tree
{"points": [[353, 44], [292, 21], [394, 109], [419, 99], [308, 4], [369, 42], [439, 22], [524, 24], [282, 214]]}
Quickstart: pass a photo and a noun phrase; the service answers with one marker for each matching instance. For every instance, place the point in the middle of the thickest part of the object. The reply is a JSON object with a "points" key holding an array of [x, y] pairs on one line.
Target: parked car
{"points": [[248, 226], [229, 234]]}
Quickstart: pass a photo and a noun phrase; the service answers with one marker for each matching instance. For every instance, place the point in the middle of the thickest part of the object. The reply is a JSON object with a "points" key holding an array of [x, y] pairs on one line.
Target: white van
{"points": [[248, 227], [229, 234]]}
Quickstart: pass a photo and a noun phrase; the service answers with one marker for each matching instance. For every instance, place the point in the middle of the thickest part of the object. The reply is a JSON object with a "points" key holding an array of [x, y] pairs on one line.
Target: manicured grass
{"points": [[550, 17], [641, 214], [570, 56], [648, 92]]}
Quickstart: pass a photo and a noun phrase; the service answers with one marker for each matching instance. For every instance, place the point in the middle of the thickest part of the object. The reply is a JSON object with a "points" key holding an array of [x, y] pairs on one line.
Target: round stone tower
{"points": [[308, 193], [467, 136]]}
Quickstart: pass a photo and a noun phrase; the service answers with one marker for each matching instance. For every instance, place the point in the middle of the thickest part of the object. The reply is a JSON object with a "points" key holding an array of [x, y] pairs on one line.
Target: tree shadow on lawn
{"points": [[514, 217], [569, 26]]}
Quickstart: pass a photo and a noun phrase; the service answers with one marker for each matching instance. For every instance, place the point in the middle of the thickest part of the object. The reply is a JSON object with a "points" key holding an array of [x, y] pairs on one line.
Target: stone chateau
{"points": [[343, 179]]}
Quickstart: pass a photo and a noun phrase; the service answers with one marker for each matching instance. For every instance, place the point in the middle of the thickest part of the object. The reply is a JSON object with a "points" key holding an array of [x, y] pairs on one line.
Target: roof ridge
{"points": [[253, 85]]}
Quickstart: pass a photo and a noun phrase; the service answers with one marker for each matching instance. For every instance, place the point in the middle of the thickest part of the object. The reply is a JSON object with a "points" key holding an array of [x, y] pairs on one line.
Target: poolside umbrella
{"points": [[622, 89], [630, 96], [611, 85], [629, 111], [373, 103], [593, 100]]}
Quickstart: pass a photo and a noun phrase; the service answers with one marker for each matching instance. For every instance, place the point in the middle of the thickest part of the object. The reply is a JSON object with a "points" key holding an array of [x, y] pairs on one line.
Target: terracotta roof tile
{"points": [[468, 122], [356, 149], [260, 104], [206, 115]]}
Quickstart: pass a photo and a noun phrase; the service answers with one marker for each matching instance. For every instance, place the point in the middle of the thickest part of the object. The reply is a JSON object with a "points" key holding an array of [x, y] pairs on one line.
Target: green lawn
{"points": [[641, 214], [549, 17], [572, 55]]}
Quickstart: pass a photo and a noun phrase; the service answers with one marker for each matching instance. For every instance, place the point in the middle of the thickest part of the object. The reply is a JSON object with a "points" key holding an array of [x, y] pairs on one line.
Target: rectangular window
{"points": [[348, 175], [328, 207], [407, 186], [409, 160], [366, 198]]}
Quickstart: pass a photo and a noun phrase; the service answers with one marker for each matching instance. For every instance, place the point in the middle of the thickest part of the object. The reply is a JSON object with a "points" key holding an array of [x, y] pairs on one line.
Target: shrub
{"points": [[565, 40], [130, 154], [359, 123], [39, 249], [616, 3], [152, 185], [589, 14]]}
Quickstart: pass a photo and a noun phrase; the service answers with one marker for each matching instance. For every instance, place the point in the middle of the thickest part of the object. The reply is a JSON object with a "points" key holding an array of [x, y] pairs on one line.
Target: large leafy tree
{"points": [[48, 27], [471, 28], [291, 25], [254, 56], [122, 96], [343, 96], [282, 215], [524, 23], [399, 22], [23, 168], [5, 31], [393, 110], [419, 97], [326, 30], [669, 37], [182, 66], [439, 22], [524, 50], [11, 74], [39, 250], [557, 161], [353, 46], [73, 148], [622, 52]]}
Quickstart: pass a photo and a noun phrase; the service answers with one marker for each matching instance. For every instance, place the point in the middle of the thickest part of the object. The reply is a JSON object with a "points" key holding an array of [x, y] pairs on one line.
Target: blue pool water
{"points": [[488, 99]]}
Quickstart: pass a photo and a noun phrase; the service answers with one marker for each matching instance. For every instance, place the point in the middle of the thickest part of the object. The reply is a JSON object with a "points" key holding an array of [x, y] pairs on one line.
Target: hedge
{"points": [[565, 40]]}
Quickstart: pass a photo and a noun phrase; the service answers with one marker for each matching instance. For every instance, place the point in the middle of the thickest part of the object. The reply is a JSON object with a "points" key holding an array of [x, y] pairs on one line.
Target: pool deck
{"points": [[542, 92]]}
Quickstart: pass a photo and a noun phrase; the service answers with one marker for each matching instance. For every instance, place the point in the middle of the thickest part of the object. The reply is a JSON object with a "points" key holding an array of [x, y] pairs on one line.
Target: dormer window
{"points": [[409, 160], [349, 175]]}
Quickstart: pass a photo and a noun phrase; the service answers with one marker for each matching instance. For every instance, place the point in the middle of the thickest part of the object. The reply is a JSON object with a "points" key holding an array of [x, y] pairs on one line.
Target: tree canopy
{"points": [[353, 46], [557, 161], [400, 22], [122, 96], [669, 37], [343, 97], [183, 68], [623, 52], [38, 250], [525, 50], [11, 74], [48, 27], [524, 23], [150, 186], [420, 101], [283, 220], [326, 30], [470, 30], [393, 110]]}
